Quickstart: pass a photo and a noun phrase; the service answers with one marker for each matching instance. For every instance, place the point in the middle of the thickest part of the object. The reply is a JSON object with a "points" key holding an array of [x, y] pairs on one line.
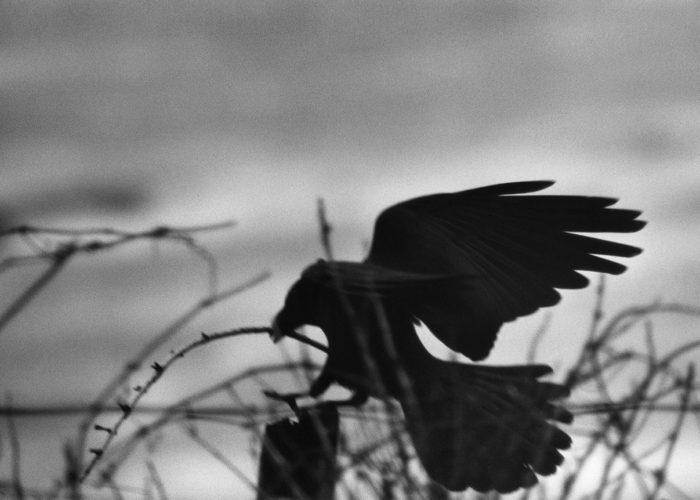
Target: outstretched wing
{"points": [[518, 249]]}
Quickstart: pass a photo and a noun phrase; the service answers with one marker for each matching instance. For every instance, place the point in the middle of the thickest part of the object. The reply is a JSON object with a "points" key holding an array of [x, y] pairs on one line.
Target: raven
{"points": [[463, 264]]}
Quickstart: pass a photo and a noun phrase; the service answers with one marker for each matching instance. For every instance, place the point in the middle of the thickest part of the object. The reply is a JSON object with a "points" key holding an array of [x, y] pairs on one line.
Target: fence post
{"points": [[298, 458]]}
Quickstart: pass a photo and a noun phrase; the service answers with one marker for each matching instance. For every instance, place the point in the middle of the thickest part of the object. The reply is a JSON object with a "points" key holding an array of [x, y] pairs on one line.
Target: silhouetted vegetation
{"points": [[634, 398]]}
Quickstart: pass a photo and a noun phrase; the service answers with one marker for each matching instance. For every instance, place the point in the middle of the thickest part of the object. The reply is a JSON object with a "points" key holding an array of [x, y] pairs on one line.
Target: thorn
{"points": [[290, 399], [94, 246], [160, 232], [125, 408], [659, 475]]}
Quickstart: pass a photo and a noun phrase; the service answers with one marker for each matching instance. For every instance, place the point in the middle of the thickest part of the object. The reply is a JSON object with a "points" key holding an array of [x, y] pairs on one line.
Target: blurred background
{"points": [[131, 114]]}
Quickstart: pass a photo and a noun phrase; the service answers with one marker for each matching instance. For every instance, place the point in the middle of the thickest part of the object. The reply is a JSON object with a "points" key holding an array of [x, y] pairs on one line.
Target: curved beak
{"points": [[277, 333]]}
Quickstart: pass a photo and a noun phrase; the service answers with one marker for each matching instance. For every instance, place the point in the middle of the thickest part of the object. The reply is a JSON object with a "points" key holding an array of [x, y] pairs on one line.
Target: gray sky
{"points": [[133, 114]]}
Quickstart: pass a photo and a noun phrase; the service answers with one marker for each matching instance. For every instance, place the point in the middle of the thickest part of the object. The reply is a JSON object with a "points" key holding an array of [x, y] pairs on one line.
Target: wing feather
{"points": [[519, 249]]}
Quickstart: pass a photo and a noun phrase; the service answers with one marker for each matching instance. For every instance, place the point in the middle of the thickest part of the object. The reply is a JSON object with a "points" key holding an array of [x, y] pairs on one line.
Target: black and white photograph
{"points": [[349, 250]]}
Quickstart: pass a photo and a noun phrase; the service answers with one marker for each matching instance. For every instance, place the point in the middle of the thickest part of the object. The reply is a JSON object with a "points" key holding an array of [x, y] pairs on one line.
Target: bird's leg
{"points": [[321, 384], [318, 387], [357, 399], [289, 398]]}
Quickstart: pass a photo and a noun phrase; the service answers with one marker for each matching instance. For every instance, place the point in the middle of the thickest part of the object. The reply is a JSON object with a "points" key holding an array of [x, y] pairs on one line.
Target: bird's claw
{"points": [[290, 399]]}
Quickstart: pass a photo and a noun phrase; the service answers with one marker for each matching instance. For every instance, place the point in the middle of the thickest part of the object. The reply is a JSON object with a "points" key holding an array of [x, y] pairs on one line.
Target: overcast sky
{"points": [[134, 114]]}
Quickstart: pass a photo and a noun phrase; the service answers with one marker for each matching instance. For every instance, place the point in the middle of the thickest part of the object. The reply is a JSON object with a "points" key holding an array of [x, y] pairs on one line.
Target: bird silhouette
{"points": [[463, 264]]}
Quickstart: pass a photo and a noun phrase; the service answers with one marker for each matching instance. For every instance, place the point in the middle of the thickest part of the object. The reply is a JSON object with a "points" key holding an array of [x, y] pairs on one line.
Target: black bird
{"points": [[463, 264]]}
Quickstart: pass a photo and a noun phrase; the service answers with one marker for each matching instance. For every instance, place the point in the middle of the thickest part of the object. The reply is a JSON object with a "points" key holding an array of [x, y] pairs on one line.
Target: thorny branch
{"points": [[64, 244], [137, 362], [158, 371]]}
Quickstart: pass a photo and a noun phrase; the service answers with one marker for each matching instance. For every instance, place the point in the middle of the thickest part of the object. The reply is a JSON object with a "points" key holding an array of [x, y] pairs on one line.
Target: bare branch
{"points": [[15, 452], [59, 260], [324, 229]]}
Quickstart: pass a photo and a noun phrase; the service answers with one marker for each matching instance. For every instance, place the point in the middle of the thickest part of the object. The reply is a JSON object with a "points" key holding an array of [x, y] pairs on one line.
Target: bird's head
{"points": [[285, 321], [298, 310], [278, 330]]}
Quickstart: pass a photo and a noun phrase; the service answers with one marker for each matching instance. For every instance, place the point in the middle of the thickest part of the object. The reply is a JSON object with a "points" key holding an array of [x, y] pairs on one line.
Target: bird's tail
{"points": [[487, 427]]}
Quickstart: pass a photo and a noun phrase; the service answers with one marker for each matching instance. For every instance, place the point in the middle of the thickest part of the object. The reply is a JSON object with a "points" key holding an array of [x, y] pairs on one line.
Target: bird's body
{"points": [[463, 264], [373, 350], [362, 354]]}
